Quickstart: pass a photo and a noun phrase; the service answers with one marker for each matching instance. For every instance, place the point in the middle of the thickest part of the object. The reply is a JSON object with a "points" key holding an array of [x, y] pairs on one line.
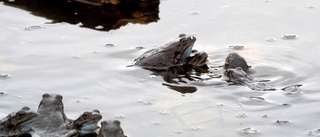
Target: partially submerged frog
{"points": [[111, 129], [236, 70], [17, 123], [197, 59], [174, 53], [87, 122], [234, 60], [51, 120]]}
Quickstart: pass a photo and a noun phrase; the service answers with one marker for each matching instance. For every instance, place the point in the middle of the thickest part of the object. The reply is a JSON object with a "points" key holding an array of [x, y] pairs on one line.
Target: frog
{"points": [[197, 59], [51, 120], [111, 128], [17, 123], [234, 60], [86, 123], [237, 71], [174, 53]]}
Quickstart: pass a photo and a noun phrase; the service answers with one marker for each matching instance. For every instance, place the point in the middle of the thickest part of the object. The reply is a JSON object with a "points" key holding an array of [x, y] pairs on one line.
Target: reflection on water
{"points": [[180, 74], [104, 17]]}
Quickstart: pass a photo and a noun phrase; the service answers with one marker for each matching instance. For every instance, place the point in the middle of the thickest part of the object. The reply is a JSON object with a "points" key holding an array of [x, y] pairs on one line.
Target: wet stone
{"points": [[289, 36], [249, 130], [236, 47], [33, 27]]}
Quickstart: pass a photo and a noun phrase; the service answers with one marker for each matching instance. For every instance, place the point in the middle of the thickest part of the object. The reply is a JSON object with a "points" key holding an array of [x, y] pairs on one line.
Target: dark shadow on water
{"points": [[179, 74], [104, 17]]}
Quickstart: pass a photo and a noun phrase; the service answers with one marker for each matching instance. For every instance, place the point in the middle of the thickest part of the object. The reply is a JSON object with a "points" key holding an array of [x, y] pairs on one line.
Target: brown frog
{"points": [[111, 129], [86, 123], [51, 120], [17, 123]]}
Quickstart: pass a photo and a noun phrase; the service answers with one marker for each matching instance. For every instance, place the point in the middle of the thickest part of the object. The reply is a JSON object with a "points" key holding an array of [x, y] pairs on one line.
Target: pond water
{"points": [[89, 69]]}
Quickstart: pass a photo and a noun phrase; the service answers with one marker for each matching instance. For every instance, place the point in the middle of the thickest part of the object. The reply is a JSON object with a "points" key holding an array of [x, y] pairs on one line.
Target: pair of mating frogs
{"points": [[179, 54], [51, 121]]}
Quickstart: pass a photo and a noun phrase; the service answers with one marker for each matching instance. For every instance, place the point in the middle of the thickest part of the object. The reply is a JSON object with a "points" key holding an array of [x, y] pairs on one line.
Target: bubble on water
{"points": [[265, 116], [4, 75], [248, 130], [119, 116], [109, 45], [76, 57], [153, 75], [236, 47], [139, 47], [194, 12], [163, 112], [75, 13], [99, 27], [242, 115], [80, 24], [147, 103], [282, 122], [289, 36], [156, 123], [270, 40], [33, 27], [315, 132], [195, 128], [2, 93], [310, 6]]}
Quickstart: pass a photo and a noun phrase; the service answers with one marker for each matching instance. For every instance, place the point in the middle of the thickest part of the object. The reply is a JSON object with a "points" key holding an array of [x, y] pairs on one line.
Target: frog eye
{"points": [[183, 41], [59, 97], [46, 95], [20, 114], [86, 115]]}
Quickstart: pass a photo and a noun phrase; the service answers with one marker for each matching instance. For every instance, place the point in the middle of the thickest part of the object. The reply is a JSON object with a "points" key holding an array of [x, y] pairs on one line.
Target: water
{"points": [[37, 56]]}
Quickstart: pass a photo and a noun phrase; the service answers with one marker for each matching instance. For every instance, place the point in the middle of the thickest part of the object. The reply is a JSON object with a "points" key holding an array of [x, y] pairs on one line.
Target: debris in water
{"points": [[236, 47], [33, 27], [289, 36], [109, 45], [249, 130]]}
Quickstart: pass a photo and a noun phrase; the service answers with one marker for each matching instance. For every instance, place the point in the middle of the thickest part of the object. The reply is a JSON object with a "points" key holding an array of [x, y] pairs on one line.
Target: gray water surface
{"points": [[76, 63]]}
